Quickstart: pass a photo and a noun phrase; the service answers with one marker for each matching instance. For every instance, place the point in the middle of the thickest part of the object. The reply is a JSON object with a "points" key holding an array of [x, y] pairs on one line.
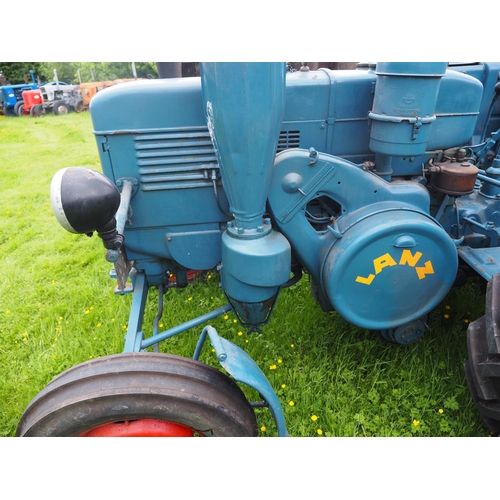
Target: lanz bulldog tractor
{"points": [[381, 183]]}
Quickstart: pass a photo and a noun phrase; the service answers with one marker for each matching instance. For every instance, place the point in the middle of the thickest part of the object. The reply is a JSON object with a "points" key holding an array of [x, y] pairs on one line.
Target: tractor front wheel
{"points": [[139, 394], [61, 108], [36, 110]]}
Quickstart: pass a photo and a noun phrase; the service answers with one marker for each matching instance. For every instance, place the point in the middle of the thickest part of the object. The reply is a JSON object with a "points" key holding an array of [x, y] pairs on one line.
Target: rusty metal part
{"points": [[454, 178]]}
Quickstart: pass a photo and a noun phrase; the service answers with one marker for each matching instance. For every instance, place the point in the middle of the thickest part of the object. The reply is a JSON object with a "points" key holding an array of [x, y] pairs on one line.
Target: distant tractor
{"points": [[89, 89], [12, 96], [58, 98], [31, 99]]}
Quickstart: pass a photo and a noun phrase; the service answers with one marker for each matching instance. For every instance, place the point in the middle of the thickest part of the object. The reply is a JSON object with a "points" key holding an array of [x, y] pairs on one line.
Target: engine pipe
{"points": [[403, 110], [244, 105]]}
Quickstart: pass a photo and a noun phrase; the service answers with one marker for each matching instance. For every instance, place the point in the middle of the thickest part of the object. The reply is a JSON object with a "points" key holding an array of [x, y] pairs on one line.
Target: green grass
{"points": [[333, 379]]}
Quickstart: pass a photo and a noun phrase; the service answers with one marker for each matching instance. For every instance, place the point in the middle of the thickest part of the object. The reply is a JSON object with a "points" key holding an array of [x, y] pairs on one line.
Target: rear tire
{"points": [[78, 106], [481, 404], [482, 369], [18, 108], [483, 374], [142, 386]]}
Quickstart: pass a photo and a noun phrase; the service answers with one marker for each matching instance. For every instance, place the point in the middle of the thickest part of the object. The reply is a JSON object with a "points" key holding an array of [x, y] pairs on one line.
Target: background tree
{"points": [[14, 72], [68, 71], [101, 71]]}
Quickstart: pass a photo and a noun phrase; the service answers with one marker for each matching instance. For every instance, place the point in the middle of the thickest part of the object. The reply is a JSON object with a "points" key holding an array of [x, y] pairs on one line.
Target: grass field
{"points": [[58, 309]]}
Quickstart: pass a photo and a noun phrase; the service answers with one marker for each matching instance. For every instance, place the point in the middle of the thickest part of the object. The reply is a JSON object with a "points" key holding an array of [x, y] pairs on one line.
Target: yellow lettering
{"points": [[427, 269], [408, 258], [383, 261], [365, 281]]}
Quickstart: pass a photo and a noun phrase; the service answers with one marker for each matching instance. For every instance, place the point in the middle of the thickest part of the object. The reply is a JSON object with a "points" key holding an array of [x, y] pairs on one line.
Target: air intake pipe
{"points": [[404, 108], [244, 105]]}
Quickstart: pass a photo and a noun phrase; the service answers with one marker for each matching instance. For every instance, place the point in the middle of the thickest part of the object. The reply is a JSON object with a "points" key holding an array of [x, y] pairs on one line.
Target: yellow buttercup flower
{"points": [[314, 418]]}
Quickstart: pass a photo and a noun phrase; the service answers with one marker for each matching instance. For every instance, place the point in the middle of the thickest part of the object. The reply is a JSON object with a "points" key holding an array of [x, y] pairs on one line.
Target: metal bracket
{"points": [[244, 369], [123, 180], [416, 127], [129, 287]]}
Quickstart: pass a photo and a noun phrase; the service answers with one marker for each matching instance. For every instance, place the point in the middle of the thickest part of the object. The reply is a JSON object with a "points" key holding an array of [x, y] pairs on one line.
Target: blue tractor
{"points": [[381, 183], [12, 96]]}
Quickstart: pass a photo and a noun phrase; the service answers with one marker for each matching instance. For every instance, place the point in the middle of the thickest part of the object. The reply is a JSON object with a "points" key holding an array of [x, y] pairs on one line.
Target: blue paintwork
{"points": [[404, 107], [11, 94], [244, 369], [349, 192], [244, 105], [381, 218]]}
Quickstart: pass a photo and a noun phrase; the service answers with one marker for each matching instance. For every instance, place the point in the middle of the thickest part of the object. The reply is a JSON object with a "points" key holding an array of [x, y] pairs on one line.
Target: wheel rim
{"points": [[145, 427]]}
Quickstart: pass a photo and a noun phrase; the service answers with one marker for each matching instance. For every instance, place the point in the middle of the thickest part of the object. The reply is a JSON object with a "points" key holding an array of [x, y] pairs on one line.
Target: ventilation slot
{"points": [[176, 159], [288, 139]]}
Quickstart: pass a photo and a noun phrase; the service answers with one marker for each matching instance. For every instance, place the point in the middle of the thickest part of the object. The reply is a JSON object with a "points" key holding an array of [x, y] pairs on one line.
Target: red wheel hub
{"points": [[145, 427]]}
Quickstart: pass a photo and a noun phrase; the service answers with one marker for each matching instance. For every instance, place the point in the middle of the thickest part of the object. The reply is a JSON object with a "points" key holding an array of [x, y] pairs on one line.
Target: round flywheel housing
{"points": [[389, 268]]}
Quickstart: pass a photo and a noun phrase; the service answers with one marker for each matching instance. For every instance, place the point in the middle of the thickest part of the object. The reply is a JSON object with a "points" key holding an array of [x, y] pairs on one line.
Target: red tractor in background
{"points": [[31, 99]]}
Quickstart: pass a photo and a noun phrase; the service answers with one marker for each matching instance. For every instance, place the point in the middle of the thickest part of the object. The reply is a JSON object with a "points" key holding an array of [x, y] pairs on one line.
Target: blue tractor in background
{"points": [[381, 183], [12, 96]]}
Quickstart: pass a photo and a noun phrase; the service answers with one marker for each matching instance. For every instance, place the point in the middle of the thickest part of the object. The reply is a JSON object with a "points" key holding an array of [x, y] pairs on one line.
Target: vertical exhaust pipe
{"points": [[244, 105]]}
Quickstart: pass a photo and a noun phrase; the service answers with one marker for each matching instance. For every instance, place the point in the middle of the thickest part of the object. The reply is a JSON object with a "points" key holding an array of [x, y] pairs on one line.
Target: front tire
{"points": [[36, 110], [139, 387], [61, 108]]}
